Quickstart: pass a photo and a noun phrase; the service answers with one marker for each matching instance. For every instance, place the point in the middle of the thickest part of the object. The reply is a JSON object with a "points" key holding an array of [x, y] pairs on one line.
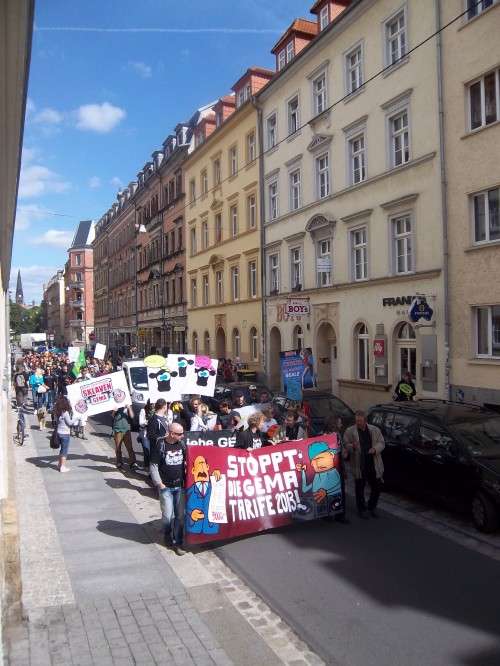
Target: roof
{"points": [[84, 235], [300, 25], [259, 71], [440, 410], [227, 99], [316, 5]]}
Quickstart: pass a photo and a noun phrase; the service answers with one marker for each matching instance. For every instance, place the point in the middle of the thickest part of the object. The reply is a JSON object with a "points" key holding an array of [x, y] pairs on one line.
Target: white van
{"points": [[136, 374]]}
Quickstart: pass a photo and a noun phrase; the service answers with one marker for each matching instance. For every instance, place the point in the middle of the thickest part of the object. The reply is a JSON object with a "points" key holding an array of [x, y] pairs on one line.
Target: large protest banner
{"points": [[100, 394], [176, 375], [297, 371], [222, 438], [231, 492]]}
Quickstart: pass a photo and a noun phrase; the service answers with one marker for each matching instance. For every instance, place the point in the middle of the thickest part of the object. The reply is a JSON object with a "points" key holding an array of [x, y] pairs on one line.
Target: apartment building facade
{"points": [[471, 96], [101, 280], [352, 191], [223, 228], [79, 287], [54, 297]]}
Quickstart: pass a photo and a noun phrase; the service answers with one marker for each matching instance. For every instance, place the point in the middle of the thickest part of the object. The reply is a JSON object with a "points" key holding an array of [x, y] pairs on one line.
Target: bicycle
{"points": [[21, 426]]}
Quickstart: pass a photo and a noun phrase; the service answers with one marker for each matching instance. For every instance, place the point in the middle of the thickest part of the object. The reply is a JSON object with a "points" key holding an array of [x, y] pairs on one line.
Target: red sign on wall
{"points": [[379, 347]]}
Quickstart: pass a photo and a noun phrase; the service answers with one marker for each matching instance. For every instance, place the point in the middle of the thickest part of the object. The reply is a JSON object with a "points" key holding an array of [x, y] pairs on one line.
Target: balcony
{"points": [[77, 304], [76, 323], [74, 284]]}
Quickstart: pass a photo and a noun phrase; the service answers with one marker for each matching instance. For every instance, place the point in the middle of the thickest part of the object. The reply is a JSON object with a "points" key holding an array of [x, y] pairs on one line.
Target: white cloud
{"points": [[29, 155], [100, 118], [37, 180], [140, 68], [48, 116], [33, 279], [54, 238], [94, 182], [116, 182], [28, 213], [30, 106]]}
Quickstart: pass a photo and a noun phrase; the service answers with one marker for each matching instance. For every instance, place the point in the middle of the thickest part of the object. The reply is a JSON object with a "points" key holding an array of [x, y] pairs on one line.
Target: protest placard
{"points": [[100, 394]]}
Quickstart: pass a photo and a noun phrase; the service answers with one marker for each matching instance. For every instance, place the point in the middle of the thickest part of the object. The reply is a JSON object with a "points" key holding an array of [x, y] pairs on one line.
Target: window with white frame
{"points": [[295, 189], [324, 17], [281, 59], [293, 115], [290, 51], [399, 138], [233, 216], [357, 158], [192, 190], [217, 172], [359, 254], [254, 344], [362, 342], [219, 286], [274, 273], [486, 214], [192, 234], [205, 293], [402, 244], [396, 38], [274, 207], [233, 160], [323, 176], [78, 259], [204, 235], [484, 100], [252, 211], [236, 343], [235, 283], [204, 182], [251, 147], [487, 325], [319, 94], [252, 279], [271, 131], [296, 268], [194, 292], [475, 7], [218, 227], [354, 69], [324, 262]]}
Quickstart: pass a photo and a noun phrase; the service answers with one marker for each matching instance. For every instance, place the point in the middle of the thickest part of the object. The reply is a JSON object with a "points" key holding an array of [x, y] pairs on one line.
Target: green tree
{"points": [[25, 320]]}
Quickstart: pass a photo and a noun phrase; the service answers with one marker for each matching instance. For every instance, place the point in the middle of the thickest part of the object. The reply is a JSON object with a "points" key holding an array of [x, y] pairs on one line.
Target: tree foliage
{"points": [[25, 320]]}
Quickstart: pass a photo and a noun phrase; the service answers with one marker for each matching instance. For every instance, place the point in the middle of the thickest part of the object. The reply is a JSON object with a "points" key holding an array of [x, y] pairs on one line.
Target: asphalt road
{"points": [[376, 593]]}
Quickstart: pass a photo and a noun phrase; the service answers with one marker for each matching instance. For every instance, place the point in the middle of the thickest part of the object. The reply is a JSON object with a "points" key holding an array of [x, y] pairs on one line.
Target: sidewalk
{"points": [[98, 588]]}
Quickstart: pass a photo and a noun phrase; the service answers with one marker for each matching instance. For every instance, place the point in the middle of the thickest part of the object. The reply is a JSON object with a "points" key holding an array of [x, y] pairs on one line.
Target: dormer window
{"points": [[281, 59], [243, 95], [324, 17], [290, 51], [218, 118]]}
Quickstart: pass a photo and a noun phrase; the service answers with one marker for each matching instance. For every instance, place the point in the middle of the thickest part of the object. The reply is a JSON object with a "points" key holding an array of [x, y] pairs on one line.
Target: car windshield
{"points": [[482, 437], [322, 408], [139, 378]]}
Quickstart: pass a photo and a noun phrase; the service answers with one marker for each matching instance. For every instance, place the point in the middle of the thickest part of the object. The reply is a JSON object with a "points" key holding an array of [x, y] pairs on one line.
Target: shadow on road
{"points": [[146, 533]]}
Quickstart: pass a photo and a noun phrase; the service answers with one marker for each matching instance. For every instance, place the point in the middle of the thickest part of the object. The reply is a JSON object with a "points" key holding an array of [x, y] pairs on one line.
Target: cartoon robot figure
{"points": [[164, 375], [182, 365], [323, 495], [203, 374], [198, 499]]}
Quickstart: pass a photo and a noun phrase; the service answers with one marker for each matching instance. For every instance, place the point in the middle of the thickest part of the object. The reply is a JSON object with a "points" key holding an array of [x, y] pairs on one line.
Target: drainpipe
{"points": [[262, 211], [444, 200]]}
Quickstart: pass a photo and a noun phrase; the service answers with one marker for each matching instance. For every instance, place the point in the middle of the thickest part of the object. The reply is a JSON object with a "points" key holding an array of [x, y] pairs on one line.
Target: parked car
{"points": [[320, 405], [444, 451]]}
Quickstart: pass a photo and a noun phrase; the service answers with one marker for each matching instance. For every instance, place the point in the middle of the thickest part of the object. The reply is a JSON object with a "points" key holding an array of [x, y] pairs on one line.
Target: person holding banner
{"points": [[64, 419], [252, 438], [227, 418], [121, 434]]}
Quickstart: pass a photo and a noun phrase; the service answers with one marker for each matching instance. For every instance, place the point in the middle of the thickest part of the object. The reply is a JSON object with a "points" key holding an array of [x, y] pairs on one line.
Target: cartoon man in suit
{"points": [[198, 499]]}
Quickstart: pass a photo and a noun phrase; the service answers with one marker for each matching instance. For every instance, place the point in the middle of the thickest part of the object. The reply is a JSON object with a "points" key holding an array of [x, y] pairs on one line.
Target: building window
{"points": [[296, 268], [400, 138], [486, 216], [475, 7], [251, 147], [233, 215], [271, 131], [218, 228], [324, 263], [293, 115], [357, 158], [233, 161], [252, 279], [359, 254], [295, 189], [252, 211], [281, 59], [236, 343], [324, 17], [274, 273], [298, 338], [254, 344], [78, 259], [235, 283], [194, 292], [362, 341], [195, 343], [487, 321], [204, 235], [274, 207], [206, 296], [484, 100], [323, 176], [395, 36], [319, 94], [402, 243], [217, 172], [78, 277], [204, 182], [290, 51], [206, 343], [219, 286], [193, 241], [354, 69], [192, 190]]}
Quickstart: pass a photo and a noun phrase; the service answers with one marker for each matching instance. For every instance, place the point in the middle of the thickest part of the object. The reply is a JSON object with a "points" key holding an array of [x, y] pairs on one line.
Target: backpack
{"points": [[20, 381]]}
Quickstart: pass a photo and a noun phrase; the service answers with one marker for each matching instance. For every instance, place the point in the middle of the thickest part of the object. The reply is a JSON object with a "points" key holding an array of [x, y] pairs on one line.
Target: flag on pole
{"points": [[79, 364]]}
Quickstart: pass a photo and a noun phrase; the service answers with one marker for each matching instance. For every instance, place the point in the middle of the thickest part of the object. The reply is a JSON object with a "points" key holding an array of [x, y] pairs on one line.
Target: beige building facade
{"points": [[54, 299], [353, 212], [471, 87]]}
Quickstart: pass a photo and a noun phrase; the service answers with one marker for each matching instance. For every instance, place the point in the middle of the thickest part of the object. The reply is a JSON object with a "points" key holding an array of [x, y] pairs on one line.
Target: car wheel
{"points": [[484, 513]]}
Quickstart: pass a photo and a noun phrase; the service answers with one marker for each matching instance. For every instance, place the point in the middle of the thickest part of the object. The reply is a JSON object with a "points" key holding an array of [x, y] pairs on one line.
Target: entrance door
{"points": [[274, 359], [220, 343], [406, 346], [326, 358]]}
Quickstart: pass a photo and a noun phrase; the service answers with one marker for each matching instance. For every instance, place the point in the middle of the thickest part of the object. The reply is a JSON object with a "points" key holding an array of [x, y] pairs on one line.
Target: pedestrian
{"points": [[144, 415], [20, 384], [293, 427], [405, 389], [238, 399], [167, 469], [200, 420], [254, 395], [363, 444], [122, 435], [158, 422], [38, 388], [64, 419], [252, 438], [227, 418], [50, 382], [333, 426]]}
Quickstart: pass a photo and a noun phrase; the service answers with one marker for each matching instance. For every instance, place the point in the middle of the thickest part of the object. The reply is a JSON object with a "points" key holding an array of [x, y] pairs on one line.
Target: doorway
{"points": [[274, 358], [326, 358], [406, 351], [220, 343]]}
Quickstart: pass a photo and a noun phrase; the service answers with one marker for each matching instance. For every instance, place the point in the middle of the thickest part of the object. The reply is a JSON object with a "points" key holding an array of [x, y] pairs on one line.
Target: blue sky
{"points": [[102, 99]]}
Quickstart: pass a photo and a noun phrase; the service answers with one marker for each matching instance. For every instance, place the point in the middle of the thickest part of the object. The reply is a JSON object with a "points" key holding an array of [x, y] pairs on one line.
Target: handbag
{"points": [[42, 389], [54, 440]]}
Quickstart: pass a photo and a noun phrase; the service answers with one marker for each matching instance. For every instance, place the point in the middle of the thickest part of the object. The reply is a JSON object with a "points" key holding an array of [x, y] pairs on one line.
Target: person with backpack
{"points": [[20, 385]]}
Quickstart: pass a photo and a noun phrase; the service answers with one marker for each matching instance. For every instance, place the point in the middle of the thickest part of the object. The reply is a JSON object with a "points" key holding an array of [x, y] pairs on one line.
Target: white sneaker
{"points": [[63, 469]]}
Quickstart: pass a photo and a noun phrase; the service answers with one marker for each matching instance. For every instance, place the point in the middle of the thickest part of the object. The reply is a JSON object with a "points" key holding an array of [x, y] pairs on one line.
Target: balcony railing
{"points": [[76, 322], [77, 304], [76, 284]]}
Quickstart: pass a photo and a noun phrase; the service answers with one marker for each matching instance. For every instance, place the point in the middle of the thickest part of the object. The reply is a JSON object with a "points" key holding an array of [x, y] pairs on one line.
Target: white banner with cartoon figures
{"points": [[176, 375], [100, 394]]}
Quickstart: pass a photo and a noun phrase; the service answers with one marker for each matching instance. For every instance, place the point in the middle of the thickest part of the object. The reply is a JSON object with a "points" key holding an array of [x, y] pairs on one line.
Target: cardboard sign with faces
{"points": [[180, 374]]}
